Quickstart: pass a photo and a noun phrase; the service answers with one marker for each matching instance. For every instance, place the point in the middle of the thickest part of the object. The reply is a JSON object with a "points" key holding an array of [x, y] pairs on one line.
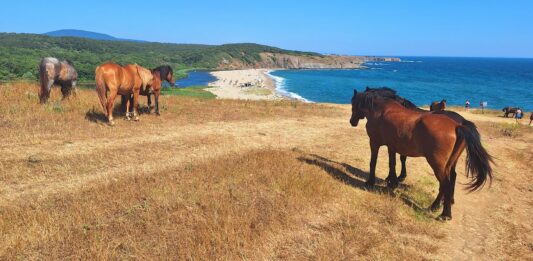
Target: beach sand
{"points": [[251, 84]]}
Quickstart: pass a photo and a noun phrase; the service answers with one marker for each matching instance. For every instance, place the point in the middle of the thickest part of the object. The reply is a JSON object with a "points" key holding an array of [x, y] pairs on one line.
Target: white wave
{"points": [[281, 88]]}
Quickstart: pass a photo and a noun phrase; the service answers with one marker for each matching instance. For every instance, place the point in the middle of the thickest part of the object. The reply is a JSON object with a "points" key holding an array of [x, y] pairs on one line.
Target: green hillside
{"points": [[22, 52]]}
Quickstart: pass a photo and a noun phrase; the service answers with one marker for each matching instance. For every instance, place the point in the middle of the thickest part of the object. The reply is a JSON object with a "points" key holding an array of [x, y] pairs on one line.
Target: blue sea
{"points": [[196, 78], [498, 81]]}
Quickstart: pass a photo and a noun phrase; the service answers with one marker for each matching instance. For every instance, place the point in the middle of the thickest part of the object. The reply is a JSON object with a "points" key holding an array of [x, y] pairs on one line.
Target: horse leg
{"points": [[135, 107], [149, 99], [45, 90], [447, 209], [110, 103], [127, 101], [65, 90], [392, 181], [403, 173], [374, 149], [439, 168], [156, 95], [453, 176]]}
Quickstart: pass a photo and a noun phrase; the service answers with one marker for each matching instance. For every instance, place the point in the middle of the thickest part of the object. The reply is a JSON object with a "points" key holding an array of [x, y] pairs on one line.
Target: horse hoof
{"points": [[401, 178], [111, 123], [370, 183], [444, 218], [392, 184], [136, 118], [157, 114]]}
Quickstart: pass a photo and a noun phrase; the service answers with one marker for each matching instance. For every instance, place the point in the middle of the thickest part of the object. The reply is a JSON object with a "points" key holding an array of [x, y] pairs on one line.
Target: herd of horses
{"points": [[439, 135], [129, 81]]}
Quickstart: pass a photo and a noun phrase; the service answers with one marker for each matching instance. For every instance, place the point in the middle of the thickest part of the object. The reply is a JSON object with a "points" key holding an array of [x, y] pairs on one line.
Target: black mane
{"points": [[385, 93], [163, 70]]}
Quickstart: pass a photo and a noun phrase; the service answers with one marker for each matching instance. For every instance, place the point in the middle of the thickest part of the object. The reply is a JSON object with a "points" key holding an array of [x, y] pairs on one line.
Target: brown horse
{"points": [[391, 94], [509, 110], [436, 137], [160, 74], [52, 71], [118, 80], [438, 106], [530, 119]]}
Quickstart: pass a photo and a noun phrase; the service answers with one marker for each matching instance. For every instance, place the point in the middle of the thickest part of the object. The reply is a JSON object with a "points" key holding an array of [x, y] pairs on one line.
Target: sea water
{"points": [[500, 82]]}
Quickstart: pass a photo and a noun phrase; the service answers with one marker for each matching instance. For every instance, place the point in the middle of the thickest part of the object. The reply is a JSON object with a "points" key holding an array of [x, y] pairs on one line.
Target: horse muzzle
{"points": [[354, 122]]}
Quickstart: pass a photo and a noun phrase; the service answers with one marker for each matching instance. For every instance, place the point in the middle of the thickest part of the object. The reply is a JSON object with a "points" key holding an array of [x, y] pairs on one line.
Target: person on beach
{"points": [[518, 114], [467, 105]]}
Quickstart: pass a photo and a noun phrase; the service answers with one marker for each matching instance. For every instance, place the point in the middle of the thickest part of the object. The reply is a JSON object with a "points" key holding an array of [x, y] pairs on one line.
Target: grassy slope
{"points": [[222, 179], [22, 52]]}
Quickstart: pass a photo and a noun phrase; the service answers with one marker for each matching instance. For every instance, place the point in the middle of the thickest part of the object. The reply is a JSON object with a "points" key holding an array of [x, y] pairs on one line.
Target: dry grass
{"points": [[227, 180]]}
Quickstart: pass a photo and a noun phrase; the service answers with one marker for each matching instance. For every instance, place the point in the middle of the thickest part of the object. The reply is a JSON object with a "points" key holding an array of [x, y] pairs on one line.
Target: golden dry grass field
{"points": [[239, 180]]}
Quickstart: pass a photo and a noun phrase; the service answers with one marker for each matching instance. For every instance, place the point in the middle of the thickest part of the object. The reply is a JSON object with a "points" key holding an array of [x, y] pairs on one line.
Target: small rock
{"points": [[34, 159]]}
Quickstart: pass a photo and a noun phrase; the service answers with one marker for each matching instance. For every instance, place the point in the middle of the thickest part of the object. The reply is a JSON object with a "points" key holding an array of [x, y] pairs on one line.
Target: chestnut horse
{"points": [[52, 71], [436, 137], [437, 106], [530, 119], [118, 80]]}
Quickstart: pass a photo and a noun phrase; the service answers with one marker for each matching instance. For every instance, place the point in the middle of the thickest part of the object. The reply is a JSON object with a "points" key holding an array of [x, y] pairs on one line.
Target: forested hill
{"points": [[21, 54]]}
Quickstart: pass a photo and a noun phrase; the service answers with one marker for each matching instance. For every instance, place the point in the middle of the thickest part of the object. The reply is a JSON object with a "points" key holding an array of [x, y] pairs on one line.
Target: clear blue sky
{"points": [[388, 27]]}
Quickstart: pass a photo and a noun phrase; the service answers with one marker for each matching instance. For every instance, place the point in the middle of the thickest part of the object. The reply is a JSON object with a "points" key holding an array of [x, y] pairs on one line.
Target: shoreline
{"points": [[247, 84], [251, 84]]}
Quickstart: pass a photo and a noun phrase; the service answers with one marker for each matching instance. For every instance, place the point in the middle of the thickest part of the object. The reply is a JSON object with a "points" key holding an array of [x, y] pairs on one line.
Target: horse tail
{"points": [[478, 160], [101, 88]]}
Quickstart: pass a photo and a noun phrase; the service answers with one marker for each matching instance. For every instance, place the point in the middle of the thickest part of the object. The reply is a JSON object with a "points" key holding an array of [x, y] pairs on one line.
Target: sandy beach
{"points": [[251, 84]]}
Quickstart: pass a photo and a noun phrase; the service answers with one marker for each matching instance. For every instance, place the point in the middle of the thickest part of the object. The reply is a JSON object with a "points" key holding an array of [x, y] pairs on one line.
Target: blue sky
{"points": [[388, 27]]}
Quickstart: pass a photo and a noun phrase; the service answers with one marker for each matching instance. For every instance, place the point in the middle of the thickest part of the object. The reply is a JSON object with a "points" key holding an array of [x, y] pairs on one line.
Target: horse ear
{"points": [[354, 92], [367, 89]]}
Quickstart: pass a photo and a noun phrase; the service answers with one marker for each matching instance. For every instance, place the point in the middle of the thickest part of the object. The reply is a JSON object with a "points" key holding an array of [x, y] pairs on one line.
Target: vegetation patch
{"points": [[195, 91]]}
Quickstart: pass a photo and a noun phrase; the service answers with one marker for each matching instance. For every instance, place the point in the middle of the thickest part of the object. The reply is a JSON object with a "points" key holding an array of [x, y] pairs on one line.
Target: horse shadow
{"points": [[97, 116], [356, 178]]}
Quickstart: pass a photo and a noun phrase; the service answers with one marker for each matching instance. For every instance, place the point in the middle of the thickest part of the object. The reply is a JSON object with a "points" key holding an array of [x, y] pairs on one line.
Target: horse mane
{"points": [[386, 93], [163, 70]]}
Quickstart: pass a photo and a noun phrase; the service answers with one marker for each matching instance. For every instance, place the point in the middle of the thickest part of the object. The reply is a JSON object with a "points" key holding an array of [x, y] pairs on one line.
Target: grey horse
{"points": [[52, 71]]}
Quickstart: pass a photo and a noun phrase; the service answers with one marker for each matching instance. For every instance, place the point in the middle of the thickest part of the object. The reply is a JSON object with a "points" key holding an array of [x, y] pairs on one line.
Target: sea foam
{"points": [[281, 88]]}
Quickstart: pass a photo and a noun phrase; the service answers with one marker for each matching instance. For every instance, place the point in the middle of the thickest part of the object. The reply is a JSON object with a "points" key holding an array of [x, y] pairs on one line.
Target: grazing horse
{"points": [[436, 137], [509, 110], [118, 80], [160, 74], [438, 106], [530, 119], [52, 71]]}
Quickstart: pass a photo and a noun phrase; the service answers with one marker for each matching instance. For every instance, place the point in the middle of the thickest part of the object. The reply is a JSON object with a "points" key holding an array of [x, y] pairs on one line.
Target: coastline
{"points": [[251, 84], [248, 84]]}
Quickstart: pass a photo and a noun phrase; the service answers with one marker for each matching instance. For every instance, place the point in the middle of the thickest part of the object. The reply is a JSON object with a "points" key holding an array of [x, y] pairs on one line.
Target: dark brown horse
{"points": [[52, 71], [509, 110], [530, 119], [436, 137], [391, 94], [437, 106], [160, 74]]}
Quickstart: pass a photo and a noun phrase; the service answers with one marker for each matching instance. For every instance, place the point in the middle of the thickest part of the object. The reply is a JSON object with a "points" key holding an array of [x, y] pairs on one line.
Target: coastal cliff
{"points": [[294, 61]]}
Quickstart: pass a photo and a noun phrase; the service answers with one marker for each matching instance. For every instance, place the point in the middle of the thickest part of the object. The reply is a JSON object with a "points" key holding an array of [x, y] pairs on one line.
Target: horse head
{"points": [[357, 112]]}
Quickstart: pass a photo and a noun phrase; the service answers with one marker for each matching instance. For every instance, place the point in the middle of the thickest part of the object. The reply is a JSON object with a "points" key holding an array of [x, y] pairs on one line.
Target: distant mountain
{"points": [[87, 35]]}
